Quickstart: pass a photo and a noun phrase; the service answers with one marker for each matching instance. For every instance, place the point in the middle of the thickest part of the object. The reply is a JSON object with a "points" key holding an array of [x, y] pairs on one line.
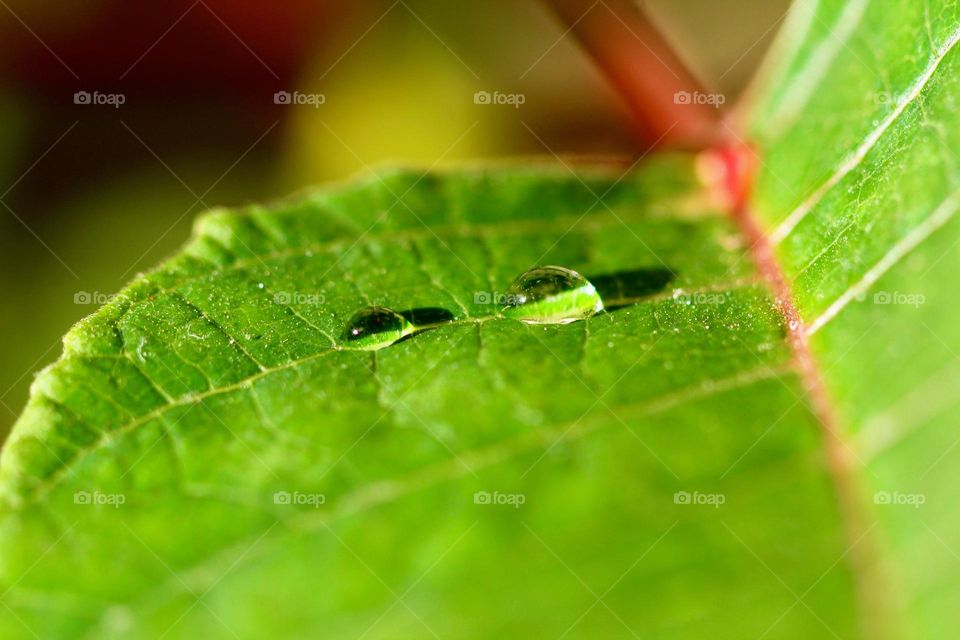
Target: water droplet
{"points": [[551, 295], [374, 328]]}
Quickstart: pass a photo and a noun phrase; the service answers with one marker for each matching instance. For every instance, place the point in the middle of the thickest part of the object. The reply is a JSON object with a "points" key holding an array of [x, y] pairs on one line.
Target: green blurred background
{"points": [[91, 194]]}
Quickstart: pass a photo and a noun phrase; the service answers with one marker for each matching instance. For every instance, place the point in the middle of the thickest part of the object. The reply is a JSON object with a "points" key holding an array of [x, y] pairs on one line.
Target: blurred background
{"points": [[121, 121]]}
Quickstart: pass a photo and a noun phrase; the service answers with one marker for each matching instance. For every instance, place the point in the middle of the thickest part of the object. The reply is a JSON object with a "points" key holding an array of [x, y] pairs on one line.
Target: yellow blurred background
{"points": [[120, 121]]}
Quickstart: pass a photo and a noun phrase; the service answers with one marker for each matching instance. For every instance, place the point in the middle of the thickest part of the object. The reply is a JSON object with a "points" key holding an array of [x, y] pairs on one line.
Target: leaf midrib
{"points": [[192, 399], [872, 586], [464, 229]]}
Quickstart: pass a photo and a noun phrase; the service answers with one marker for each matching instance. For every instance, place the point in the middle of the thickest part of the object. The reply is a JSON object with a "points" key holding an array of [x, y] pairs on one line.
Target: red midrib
{"points": [[873, 592]]}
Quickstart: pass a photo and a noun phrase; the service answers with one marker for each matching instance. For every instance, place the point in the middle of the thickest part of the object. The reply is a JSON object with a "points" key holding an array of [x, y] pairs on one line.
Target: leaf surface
{"points": [[201, 462], [859, 189]]}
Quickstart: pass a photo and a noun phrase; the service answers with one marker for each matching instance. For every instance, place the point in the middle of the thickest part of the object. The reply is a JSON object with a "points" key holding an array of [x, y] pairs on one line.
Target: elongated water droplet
{"points": [[374, 328], [551, 295]]}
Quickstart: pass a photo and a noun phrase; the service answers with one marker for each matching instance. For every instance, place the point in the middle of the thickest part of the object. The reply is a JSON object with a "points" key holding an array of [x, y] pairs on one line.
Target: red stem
{"points": [[659, 89]]}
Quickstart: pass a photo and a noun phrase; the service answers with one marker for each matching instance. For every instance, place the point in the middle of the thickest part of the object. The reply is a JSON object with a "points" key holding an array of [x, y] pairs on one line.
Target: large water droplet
{"points": [[551, 295], [374, 328]]}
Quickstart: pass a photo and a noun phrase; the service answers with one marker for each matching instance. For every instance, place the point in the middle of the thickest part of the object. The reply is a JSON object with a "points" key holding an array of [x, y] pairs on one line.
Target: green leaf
{"points": [[143, 475], [859, 189], [202, 463]]}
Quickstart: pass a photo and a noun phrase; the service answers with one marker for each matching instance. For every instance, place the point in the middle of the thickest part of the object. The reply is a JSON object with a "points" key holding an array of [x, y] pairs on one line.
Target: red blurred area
{"points": [[197, 76], [236, 47]]}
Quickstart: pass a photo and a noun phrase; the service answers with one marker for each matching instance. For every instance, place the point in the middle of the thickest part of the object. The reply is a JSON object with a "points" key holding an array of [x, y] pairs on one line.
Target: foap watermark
{"points": [[97, 98], [715, 100], [299, 98], [94, 297], [896, 498], [697, 498], [514, 500], [496, 298], [899, 298], [700, 297], [299, 499], [296, 297], [99, 498], [496, 97]]}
